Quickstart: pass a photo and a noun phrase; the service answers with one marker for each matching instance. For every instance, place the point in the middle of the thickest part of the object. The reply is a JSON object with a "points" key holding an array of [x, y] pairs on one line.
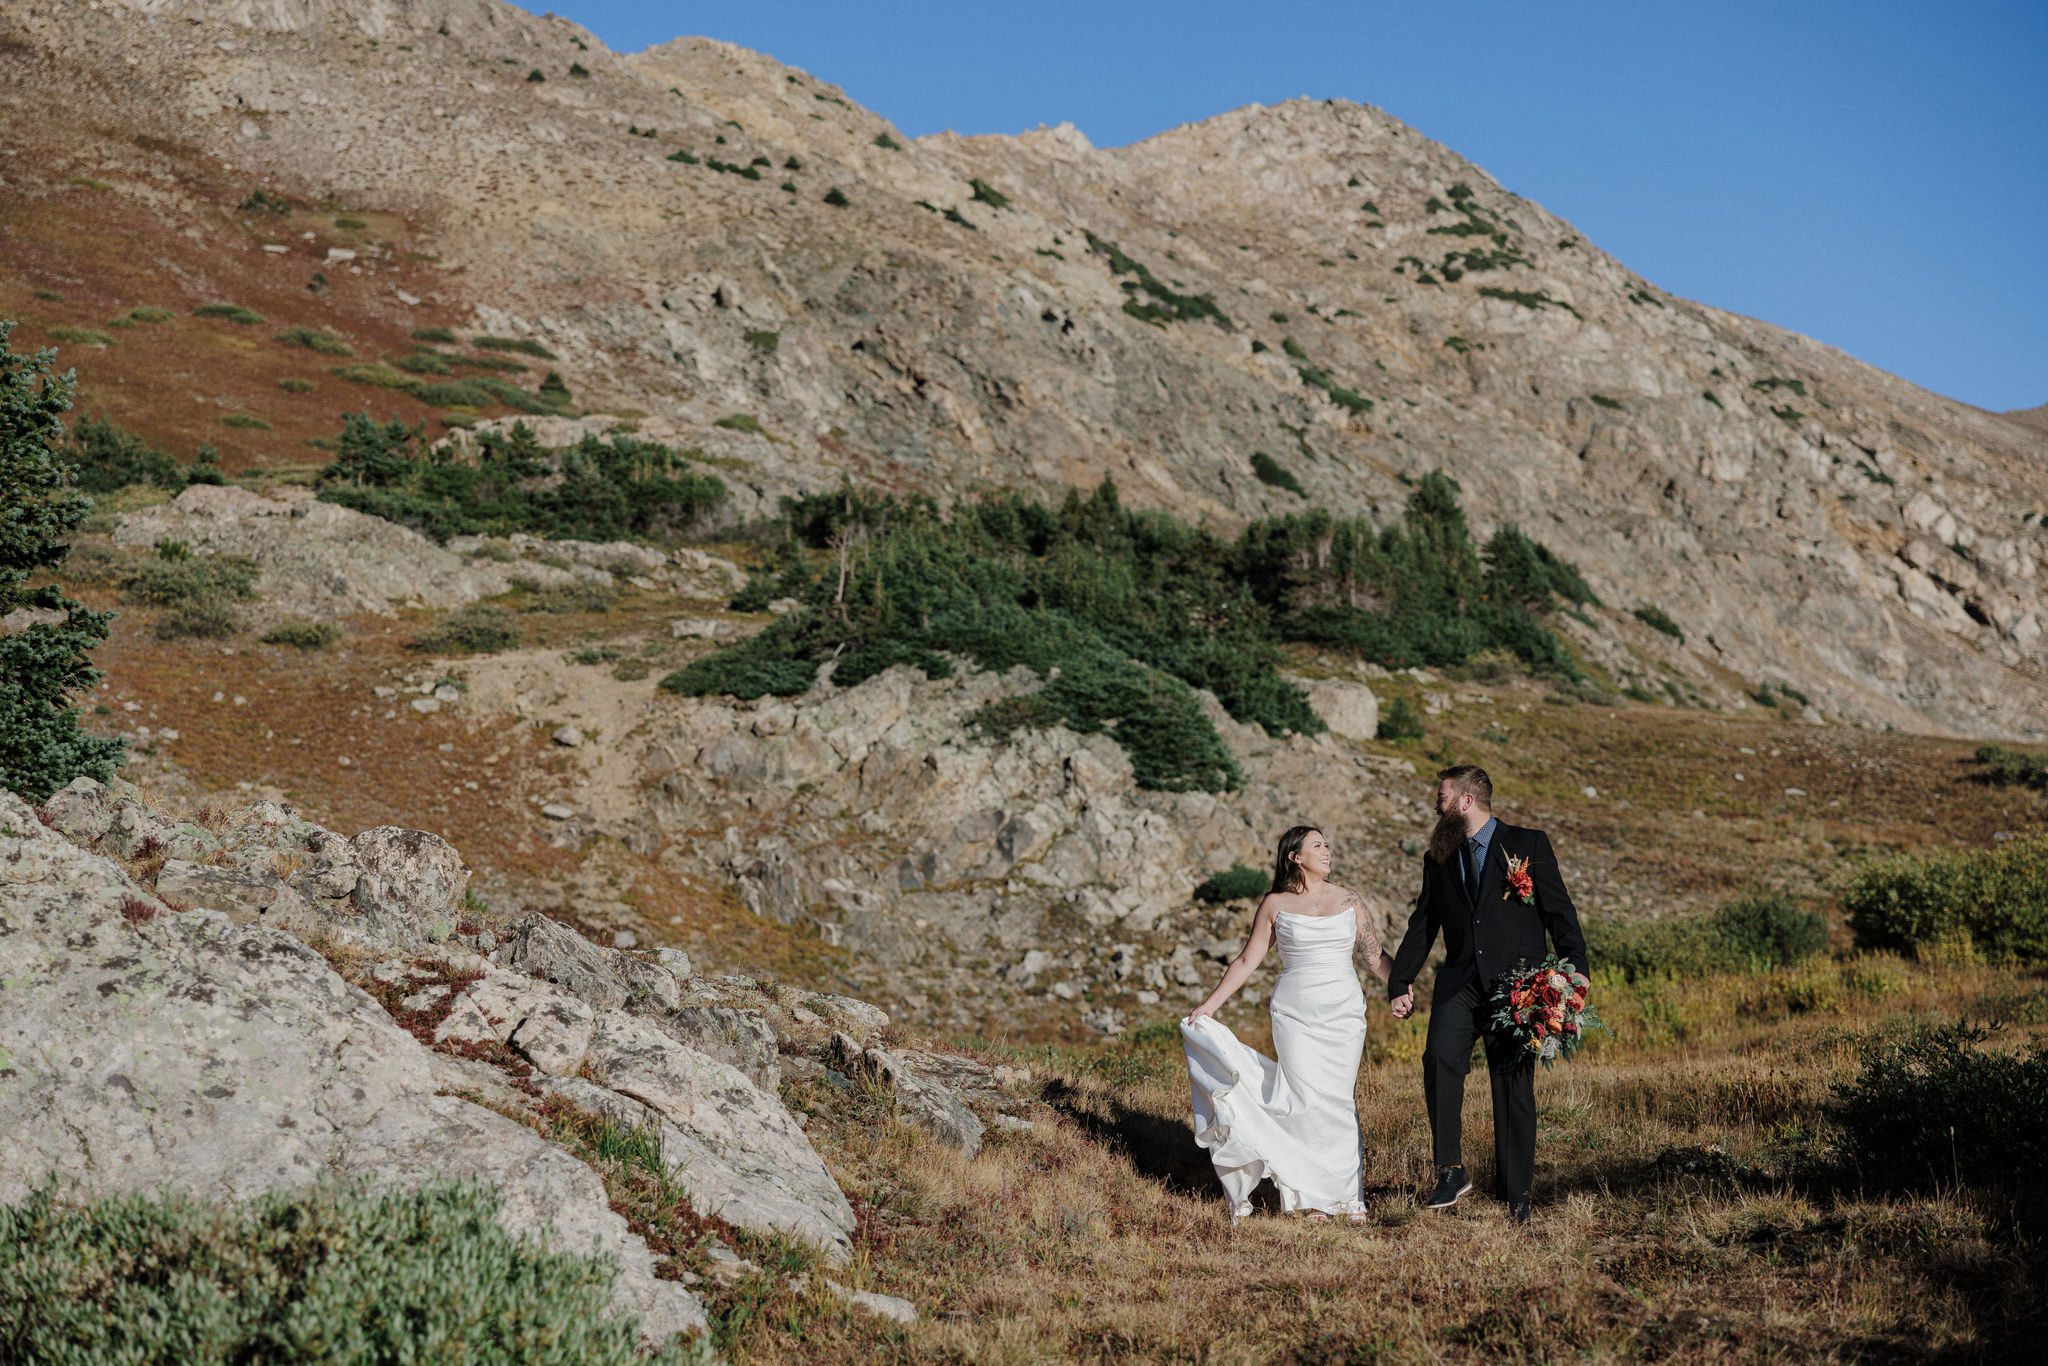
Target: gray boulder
{"points": [[733, 1147], [247, 898], [409, 884], [143, 1049], [553, 952]]}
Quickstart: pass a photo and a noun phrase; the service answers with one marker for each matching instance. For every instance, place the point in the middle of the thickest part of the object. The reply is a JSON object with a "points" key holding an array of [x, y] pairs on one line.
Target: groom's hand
{"points": [[1404, 1005]]}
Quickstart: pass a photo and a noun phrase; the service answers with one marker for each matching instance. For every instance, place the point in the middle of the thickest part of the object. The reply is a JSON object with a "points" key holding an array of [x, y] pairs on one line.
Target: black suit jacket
{"points": [[1493, 933]]}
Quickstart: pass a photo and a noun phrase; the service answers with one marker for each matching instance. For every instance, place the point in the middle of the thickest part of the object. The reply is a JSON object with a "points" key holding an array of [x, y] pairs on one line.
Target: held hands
{"points": [[1404, 1005]]}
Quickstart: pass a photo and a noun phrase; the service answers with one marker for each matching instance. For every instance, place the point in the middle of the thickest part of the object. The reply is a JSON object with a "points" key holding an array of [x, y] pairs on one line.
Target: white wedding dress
{"points": [[1293, 1119]]}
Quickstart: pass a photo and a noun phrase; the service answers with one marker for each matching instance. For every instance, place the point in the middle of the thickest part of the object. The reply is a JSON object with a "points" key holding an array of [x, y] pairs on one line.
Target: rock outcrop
{"points": [[276, 1006]]}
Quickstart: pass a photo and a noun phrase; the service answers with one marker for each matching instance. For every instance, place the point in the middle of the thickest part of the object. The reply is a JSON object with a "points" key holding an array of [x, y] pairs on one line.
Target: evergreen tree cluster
{"points": [[600, 489], [1124, 613]]}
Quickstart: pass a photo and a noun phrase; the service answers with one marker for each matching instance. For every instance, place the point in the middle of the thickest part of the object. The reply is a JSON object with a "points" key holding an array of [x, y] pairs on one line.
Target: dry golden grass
{"points": [[1101, 1235]]}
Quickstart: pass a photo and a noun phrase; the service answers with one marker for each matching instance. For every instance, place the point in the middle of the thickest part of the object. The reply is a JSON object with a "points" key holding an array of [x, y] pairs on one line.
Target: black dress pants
{"points": [[1454, 1023]]}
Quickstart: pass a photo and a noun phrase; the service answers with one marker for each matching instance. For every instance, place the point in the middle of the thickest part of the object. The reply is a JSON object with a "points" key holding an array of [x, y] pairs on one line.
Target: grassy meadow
{"points": [[1694, 1201]]}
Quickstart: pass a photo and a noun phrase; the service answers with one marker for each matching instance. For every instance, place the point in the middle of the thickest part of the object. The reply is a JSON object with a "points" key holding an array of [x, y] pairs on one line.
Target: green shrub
{"points": [[1995, 900], [1235, 883], [424, 363], [261, 201], [43, 665], [79, 336], [313, 339], [315, 1275], [525, 346], [1936, 1108], [105, 458], [350, 224], [764, 342], [1270, 471], [1399, 722], [836, 197], [584, 595], [535, 75], [197, 593], [1601, 400], [985, 193], [683, 155], [1655, 618], [148, 314], [887, 143], [577, 70], [442, 336], [600, 489], [739, 422], [479, 628], [303, 635], [1755, 934], [247, 421], [2012, 768], [234, 313], [1169, 304], [1538, 299]]}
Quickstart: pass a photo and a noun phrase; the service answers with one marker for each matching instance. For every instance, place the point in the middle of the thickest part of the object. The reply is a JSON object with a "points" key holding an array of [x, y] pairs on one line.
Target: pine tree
{"points": [[42, 665]]}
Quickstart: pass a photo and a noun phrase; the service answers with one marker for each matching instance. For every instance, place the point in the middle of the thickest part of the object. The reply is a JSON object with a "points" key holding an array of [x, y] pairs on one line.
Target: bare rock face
{"points": [[142, 1048], [318, 560]]}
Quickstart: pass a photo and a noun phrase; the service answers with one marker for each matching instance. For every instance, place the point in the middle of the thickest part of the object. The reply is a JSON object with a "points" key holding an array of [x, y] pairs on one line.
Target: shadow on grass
{"points": [[1159, 1149]]}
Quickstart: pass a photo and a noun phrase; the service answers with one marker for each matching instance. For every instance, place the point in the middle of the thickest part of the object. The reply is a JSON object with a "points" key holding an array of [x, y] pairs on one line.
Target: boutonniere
{"points": [[1520, 884]]}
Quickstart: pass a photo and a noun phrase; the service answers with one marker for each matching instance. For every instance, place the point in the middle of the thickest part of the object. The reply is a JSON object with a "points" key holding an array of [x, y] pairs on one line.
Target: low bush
{"points": [[315, 1275], [1271, 471], [1937, 1108], [601, 489], [303, 635], [1399, 722], [583, 595], [2012, 768], [836, 197], [1235, 883], [1168, 304], [105, 458], [479, 628], [294, 385], [985, 193], [1755, 934], [197, 593], [1656, 619], [79, 336], [887, 143], [147, 314], [313, 339], [442, 336], [246, 421], [234, 313], [424, 362], [1995, 901], [525, 346], [262, 201]]}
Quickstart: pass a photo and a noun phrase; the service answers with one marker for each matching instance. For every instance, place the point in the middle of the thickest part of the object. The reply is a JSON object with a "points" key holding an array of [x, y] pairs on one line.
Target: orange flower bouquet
{"points": [[1545, 1009]]}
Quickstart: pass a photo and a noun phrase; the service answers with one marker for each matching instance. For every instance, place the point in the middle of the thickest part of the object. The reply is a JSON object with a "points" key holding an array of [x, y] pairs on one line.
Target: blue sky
{"points": [[1874, 175]]}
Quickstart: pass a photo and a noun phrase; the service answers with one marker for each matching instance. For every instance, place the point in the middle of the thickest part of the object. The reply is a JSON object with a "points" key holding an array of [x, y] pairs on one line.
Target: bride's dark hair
{"points": [[1286, 872]]}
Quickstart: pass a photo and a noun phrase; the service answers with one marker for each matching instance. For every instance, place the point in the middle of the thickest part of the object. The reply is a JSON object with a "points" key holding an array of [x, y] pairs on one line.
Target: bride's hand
{"points": [[1197, 1013]]}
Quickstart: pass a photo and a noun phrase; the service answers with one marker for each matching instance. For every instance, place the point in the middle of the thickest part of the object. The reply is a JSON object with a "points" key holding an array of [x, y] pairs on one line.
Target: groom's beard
{"points": [[1443, 841]]}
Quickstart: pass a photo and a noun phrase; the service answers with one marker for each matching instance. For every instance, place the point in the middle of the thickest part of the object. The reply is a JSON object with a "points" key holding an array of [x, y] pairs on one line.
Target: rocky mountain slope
{"points": [[732, 253]]}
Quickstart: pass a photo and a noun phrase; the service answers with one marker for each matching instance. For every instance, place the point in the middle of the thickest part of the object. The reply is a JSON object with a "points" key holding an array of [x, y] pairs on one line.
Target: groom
{"points": [[1487, 933]]}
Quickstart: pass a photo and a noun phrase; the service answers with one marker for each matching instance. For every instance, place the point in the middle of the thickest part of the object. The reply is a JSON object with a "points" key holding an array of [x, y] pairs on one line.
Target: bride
{"points": [[1293, 1119]]}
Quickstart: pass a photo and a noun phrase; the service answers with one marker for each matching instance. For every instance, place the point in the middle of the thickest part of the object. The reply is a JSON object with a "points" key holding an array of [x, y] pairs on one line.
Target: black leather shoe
{"points": [[1451, 1183], [1518, 1211]]}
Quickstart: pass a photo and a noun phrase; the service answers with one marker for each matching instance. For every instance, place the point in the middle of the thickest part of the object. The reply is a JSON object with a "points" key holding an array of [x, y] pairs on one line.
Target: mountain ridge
{"points": [[1814, 522]]}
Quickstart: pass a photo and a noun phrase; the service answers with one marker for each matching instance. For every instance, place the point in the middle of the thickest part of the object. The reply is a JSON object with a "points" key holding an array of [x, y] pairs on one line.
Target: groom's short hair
{"points": [[1469, 778]]}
